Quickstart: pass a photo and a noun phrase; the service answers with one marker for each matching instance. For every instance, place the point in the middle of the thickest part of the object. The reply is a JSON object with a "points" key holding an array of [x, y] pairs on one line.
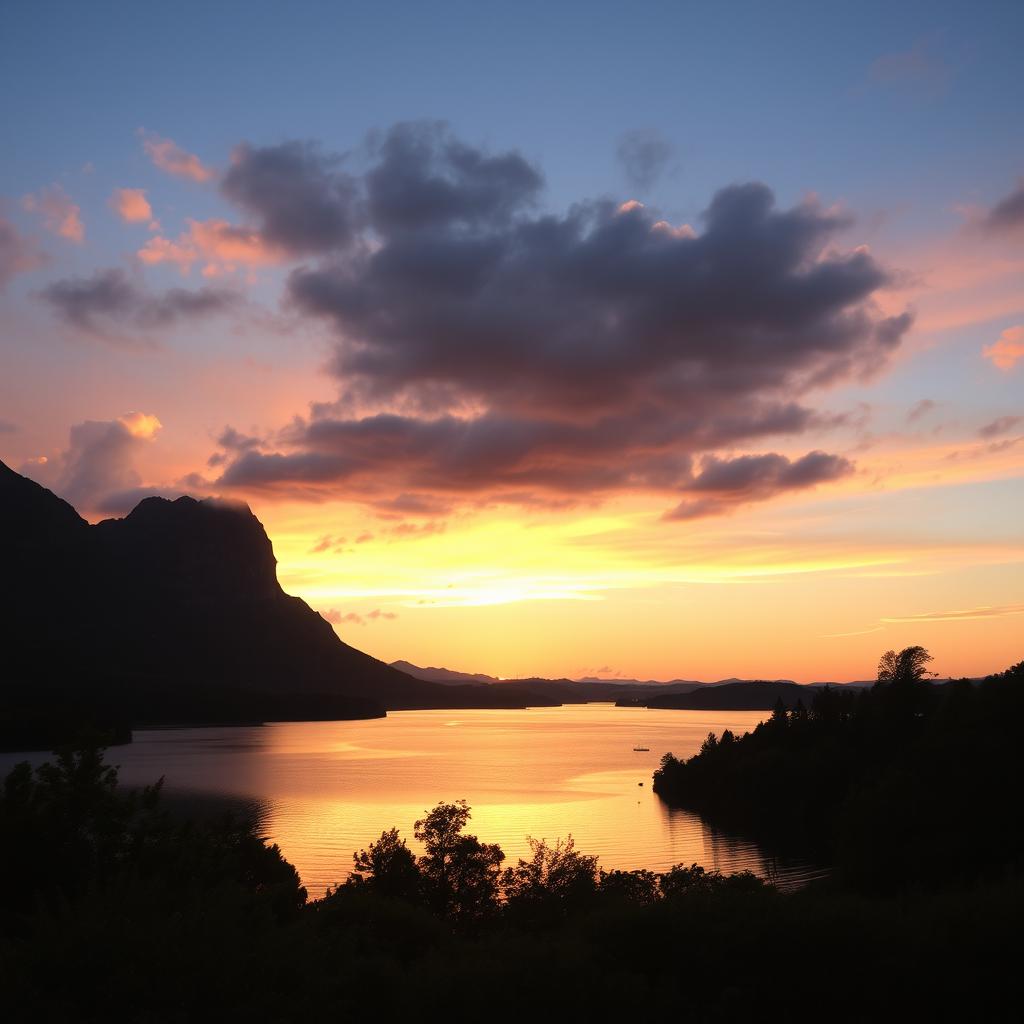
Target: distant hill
{"points": [[723, 695], [173, 614], [564, 691], [755, 695], [445, 676]]}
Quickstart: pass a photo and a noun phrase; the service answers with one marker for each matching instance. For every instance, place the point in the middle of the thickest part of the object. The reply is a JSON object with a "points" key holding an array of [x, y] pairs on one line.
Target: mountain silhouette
{"points": [[175, 614]]}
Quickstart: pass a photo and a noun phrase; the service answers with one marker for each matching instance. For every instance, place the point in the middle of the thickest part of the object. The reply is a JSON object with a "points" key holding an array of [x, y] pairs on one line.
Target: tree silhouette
{"points": [[460, 874], [388, 867], [556, 878], [909, 666]]}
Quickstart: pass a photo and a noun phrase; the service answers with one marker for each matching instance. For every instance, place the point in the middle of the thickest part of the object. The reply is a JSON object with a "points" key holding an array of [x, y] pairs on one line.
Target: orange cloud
{"points": [[142, 425], [59, 213], [216, 243], [1008, 348], [131, 205], [170, 157]]}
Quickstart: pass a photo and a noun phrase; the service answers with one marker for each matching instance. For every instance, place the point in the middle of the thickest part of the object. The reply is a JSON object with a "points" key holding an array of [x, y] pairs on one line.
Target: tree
{"points": [[780, 717], [909, 666], [460, 874], [388, 867], [555, 878]]}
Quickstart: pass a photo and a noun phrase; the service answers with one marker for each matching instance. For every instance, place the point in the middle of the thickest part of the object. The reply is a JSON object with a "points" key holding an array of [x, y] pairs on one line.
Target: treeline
{"points": [[110, 909], [909, 782]]}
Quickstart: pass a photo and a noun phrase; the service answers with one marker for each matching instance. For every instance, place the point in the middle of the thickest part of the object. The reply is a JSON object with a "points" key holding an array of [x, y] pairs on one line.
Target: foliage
{"points": [[898, 785], [460, 875], [907, 667], [388, 868], [555, 881], [140, 918]]}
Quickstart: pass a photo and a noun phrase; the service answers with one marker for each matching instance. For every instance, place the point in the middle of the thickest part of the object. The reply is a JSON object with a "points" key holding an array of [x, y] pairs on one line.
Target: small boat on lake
{"points": [[641, 748]]}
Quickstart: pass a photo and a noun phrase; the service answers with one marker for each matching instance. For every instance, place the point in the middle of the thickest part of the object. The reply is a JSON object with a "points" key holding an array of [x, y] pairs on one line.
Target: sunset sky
{"points": [[648, 340]]}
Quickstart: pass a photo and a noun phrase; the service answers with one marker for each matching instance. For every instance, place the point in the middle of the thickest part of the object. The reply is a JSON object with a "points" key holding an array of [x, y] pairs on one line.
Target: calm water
{"points": [[324, 789]]}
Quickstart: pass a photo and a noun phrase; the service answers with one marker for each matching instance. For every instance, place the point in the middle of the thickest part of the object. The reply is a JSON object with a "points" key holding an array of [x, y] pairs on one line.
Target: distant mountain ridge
{"points": [[721, 695]]}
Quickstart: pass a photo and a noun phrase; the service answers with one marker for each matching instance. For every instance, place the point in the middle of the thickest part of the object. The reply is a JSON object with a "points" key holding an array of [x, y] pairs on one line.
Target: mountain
{"points": [[559, 691], [751, 695], [446, 676], [173, 614]]}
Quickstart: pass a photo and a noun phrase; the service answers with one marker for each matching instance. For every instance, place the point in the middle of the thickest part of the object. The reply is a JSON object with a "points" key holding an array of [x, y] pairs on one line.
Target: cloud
{"points": [[18, 254], [425, 178], [724, 484], [1007, 349], [918, 70], [99, 462], [920, 409], [598, 307], [110, 300], [1000, 425], [328, 542], [232, 442], [644, 155], [60, 215], [1008, 214], [485, 350], [336, 618], [419, 457], [301, 200], [984, 612], [170, 157], [6, 427], [131, 205], [221, 246], [856, 632]]}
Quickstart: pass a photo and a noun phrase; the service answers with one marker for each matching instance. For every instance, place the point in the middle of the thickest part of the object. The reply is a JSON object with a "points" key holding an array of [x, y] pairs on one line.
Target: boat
{"points": [[642, 748]]}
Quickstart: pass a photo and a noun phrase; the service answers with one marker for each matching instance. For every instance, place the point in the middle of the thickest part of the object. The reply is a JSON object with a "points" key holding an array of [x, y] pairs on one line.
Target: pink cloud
{"points": [[170, 157], [131, 205], [1008, 348], [60, 215], [221, 246], [335, 617], [18, 254]]}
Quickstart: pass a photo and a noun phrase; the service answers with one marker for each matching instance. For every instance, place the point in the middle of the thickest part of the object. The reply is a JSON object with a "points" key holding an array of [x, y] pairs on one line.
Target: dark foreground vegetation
{"points": [[112, 910], [910, 782]]}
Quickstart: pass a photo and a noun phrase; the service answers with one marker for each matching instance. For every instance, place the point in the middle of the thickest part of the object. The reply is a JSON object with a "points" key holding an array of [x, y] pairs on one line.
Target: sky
{"points": [[656, 340]]}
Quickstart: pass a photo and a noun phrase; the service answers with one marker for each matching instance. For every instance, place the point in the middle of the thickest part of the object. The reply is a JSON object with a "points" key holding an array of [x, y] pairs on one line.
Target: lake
{"points": [[324, 789]]}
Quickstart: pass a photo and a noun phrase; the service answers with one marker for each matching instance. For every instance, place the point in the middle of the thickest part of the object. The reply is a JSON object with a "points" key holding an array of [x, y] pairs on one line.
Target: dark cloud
{"points": [[233, 443], [920, 409], [7, 427], [18, 254], [425, 178], [302, 200], [502, 454], [1000, 425], [644, 155], [110, 300], [1008, 214], [412, 504], [486, 350], [723, 484], [606, 307]]}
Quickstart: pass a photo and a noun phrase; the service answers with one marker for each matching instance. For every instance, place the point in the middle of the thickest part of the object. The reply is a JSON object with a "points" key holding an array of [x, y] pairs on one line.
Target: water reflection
{"points": [[324, 789]]}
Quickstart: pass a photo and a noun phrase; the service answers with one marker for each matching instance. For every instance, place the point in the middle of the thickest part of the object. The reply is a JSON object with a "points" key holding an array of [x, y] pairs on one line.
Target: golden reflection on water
{"points": [[325, 789]]}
